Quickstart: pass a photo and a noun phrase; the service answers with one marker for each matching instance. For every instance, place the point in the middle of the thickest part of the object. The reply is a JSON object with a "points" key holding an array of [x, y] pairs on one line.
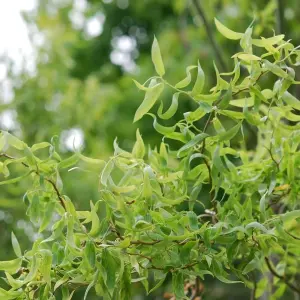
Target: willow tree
{"points": [[144, 222]]}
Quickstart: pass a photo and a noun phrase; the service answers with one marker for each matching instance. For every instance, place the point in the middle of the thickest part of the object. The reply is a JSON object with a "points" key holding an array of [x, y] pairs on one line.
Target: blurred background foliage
{"points": [[80, 86]]}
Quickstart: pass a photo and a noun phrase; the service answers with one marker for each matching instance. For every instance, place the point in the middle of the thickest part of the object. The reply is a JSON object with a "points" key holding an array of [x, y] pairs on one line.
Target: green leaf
{"points": [[197, 139], [193, 220], [95, 220], [60, 282], [178, 285], [226, 32], [45, 265], [16, 179], [218, 272], [111, 267], [150, 98], [147, 189], [14, 283], [199, 84], [252, 265], [226, 99], [232, 114], [68, 162], [11, 266], [242, 102], [269, 41], [229, 134], [138, 150], [187, 80], [9, 295], [192, 116], [157, 59], [140, 86], [39, 146], [48, 214], [106, 172], [289, 99], [158, 284], [92, 283], [256, 225], [171, 110], [275, 69], [34, 267], [162, 129], [125, 288], [252, 117], [14, 142], [92, 161], [90, 253], [16, 245], [290, 215], [247, 57], [2, 141]]}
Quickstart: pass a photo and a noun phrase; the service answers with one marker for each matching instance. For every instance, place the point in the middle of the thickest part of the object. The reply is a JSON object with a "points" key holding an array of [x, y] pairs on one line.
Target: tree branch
{"points": [[280, 16], [282, 277], [59, 196], [210, 34]]}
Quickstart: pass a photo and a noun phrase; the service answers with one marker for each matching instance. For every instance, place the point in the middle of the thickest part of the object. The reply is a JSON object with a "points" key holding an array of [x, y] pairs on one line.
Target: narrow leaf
{"points": [[150, 98], [16, 245], [157, 59], [228, 33]]}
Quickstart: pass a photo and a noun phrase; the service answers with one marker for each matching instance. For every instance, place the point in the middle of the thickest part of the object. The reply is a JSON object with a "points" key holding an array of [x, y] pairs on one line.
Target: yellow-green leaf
{"points": [[228, 33], [199, 84], [16, 245], [11, 266], [138, 150], [150, 98], [157, 59]]}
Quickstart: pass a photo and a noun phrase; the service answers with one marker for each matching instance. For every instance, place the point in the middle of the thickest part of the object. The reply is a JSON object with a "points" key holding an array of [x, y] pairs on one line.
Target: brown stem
{"points": [[144, 243], [140, 255], [282, 277], [59, 196], [293, 236]]}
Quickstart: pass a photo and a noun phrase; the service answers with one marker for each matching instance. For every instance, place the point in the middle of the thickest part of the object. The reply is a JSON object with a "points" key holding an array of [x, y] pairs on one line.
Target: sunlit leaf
{"points": [[226, 32], [149, 100], [157, 59]]}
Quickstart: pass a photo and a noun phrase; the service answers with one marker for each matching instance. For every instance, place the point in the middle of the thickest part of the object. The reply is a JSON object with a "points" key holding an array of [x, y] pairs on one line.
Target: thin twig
{"points": [[144, 243], [282, 277], [272, 157], [59, 196], [140, 255], [293, 236]]}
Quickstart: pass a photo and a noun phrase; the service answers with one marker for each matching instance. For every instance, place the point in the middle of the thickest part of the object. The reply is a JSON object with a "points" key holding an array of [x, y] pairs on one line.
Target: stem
{"points": [[210, 34]]}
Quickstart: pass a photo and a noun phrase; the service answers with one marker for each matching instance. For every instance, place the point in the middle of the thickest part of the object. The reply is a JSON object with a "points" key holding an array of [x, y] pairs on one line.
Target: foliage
{"points": [[144, 223]]}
